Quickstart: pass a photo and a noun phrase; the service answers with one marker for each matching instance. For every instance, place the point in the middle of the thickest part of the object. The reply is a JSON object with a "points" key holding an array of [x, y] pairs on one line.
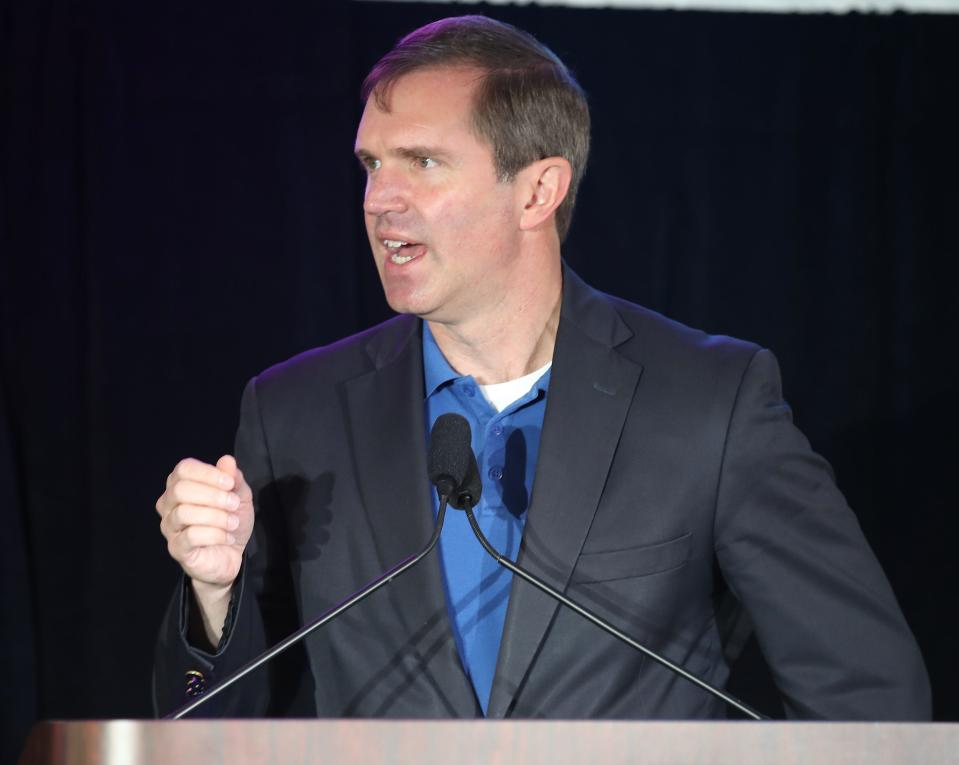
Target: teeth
{"points": [[394, 243], [400, 259]]}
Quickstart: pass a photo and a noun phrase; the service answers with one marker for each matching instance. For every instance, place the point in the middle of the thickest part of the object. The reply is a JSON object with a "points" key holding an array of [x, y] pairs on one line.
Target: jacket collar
{"points": [[387, 425], [590, 395]]}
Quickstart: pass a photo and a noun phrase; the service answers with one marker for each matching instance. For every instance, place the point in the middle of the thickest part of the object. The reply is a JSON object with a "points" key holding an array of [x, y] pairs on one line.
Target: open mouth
{"points": [[401, 252]]}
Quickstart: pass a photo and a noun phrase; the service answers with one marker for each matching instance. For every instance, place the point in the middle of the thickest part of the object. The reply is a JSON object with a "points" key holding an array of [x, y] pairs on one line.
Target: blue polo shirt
{"points": [[506, 444]]}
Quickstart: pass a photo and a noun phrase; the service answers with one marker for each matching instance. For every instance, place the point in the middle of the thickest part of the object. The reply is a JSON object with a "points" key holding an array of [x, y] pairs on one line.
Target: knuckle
{"points": [[180, 491], [183, 468], [189, 535]]}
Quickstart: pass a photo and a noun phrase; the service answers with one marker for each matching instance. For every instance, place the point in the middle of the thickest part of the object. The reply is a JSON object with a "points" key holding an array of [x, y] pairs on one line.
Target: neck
{"points": [[514, 338]]}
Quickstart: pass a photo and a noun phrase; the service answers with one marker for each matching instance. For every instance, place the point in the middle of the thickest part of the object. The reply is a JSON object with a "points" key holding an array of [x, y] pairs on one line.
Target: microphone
{"points": [[448, 461], [468, 493], [450, 453], [467, 496]]}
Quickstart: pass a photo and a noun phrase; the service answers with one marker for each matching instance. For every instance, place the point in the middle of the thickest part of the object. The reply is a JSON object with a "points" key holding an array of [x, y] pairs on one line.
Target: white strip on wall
{"points": [[764, 6]]}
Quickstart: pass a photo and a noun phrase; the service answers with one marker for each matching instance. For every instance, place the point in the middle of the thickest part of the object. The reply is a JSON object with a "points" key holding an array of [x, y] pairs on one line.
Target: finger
{"points": [[195, 537], [194, 493], [191, 469], [197, 515], [166, 503], [227, 465]]}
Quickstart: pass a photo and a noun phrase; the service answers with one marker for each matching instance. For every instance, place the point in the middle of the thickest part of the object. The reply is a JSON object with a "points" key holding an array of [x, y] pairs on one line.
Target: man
{"points": [[658, 452]]}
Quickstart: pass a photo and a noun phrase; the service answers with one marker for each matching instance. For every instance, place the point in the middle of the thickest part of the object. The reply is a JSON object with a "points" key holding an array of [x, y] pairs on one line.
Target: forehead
{"points": [[426, 104]]}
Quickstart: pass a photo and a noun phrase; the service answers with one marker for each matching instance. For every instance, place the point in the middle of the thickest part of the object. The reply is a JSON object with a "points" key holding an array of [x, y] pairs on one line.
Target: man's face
{"points": [[444, 231]]}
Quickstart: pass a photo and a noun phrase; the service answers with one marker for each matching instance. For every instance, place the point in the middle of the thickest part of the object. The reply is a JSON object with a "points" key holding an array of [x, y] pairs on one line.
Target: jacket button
{"points": [[195, 683]]}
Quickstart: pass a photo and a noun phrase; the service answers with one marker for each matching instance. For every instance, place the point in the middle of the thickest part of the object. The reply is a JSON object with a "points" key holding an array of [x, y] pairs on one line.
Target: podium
{"points": [[529, 742]]}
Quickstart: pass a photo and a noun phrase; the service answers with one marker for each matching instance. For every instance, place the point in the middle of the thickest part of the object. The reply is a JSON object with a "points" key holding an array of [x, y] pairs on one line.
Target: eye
{"points": [[370, 163], [425, 162]]}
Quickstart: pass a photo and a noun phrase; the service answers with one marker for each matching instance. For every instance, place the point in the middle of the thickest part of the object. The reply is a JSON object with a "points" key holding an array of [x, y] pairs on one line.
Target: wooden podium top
{"points": [[290, 742]]}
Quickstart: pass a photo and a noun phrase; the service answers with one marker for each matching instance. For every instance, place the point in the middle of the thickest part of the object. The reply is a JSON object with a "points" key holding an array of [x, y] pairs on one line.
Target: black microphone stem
{"points": [[301, 633], [603, 624]]}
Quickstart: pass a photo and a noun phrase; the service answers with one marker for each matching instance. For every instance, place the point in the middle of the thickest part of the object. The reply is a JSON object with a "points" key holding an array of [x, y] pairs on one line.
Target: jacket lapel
{"points": [[590, 392], [388, 429]]}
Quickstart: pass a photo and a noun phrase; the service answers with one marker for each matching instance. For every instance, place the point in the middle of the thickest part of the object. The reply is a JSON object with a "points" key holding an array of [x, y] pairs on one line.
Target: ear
{"points": [[542, 186]]}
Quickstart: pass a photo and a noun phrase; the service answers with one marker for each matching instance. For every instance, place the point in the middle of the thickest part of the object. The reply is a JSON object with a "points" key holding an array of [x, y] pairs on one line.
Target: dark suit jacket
{"points": [[664, 451]]}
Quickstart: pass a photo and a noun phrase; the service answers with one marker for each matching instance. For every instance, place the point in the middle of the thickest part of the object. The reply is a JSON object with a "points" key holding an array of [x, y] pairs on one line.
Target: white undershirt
{"points": [[501, 395]]}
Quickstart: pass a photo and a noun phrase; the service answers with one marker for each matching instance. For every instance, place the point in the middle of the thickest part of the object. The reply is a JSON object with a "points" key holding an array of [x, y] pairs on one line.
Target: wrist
{"points": [[210, 605], [211, 594]]}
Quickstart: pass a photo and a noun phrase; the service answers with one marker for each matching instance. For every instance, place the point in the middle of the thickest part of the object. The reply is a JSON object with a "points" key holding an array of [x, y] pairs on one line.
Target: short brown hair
{"points": [[528, 106]]}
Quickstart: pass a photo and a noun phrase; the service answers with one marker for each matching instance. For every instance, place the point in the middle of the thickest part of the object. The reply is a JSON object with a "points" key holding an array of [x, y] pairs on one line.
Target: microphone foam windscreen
{"points": [[449, 453], [471, 488]]}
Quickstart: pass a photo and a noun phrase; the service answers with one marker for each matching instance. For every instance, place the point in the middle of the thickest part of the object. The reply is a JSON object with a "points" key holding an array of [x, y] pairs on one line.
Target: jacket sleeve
{"points": [[792, 551], [262, 613]]}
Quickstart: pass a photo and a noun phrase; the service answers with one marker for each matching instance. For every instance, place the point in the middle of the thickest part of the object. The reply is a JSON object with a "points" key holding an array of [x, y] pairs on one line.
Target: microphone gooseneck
{"points": [[462, 500], [448, 460]]}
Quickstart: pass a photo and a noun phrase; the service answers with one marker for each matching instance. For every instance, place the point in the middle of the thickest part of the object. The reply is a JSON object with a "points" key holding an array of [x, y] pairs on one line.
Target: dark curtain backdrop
{"points": [[180, 208]]}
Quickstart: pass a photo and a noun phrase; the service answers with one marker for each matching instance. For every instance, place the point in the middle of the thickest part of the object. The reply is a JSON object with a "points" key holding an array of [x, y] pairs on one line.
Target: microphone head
{"points": [[449, 453], [471, 489]]}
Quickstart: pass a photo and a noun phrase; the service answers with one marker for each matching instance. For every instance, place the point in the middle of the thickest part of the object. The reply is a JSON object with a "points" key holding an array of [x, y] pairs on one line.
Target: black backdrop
{"points": [[181, 209]]}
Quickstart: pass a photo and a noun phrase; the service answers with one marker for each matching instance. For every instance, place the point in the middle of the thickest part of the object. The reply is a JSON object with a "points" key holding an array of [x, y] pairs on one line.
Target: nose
{"points": [[385, 192]]}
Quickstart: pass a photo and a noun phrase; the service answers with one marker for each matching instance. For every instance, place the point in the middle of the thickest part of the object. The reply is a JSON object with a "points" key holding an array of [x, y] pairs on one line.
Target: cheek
{"points": [[479, 223], [451, 222]]}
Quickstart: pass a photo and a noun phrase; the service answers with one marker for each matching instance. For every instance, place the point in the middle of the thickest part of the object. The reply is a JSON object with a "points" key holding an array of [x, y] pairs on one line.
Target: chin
{"points": [[403, 303], [404, 297]]}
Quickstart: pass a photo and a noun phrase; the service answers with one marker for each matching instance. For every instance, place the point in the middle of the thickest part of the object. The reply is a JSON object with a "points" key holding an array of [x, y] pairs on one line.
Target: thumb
{"points": [[241, 487], [227, 463]]}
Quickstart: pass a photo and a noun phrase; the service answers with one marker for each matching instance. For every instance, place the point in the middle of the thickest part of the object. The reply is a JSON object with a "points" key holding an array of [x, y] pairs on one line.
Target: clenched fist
{"points": [[206, 516]]}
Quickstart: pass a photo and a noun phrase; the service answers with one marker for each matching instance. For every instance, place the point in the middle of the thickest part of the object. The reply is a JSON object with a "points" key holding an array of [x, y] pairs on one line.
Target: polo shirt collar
{"points": [[436, 369]]}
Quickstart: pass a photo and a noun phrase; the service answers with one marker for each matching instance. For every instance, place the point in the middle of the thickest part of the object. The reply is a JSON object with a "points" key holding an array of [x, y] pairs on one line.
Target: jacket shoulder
{"points": [[341, 360], [654, 339]]}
